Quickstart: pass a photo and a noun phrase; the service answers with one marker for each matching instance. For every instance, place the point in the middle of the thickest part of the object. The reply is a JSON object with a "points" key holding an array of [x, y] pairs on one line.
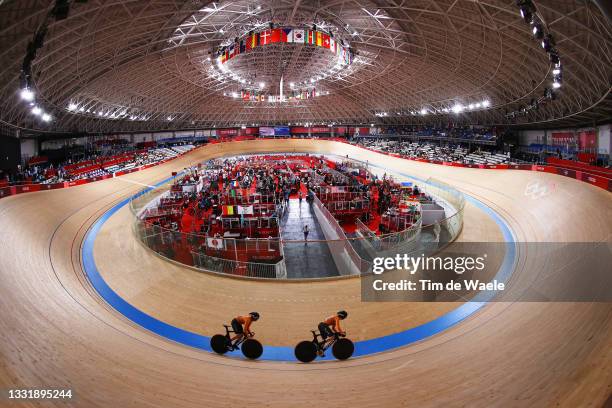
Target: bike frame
{"points": [[324, 344], [237, 342]]}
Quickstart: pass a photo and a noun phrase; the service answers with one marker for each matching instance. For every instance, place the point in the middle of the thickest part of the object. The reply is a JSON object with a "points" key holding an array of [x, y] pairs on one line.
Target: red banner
{"points": [[587, 140], [563, 138]]}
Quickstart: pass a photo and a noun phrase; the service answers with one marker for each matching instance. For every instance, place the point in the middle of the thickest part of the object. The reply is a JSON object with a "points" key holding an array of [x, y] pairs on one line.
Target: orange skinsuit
{"points": [[334, 321], [246, 321]]}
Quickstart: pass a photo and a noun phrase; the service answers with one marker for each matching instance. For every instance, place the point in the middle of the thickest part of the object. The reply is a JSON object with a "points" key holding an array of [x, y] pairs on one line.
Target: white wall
{"points": [[603, 140], [28, 148]]}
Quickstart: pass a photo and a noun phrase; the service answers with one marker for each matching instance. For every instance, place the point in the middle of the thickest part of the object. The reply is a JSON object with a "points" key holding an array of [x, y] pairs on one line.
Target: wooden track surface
{"points": [[55, 331]]}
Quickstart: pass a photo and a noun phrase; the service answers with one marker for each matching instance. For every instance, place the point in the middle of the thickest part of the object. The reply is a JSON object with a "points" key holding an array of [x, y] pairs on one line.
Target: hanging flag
{"points": [[287, 35], [332, 45], [245, 210], [311, 37], [228, 210], [242, 47], [252, 41], [298, 36], [319, 39], [264, 37], [325, 38], [216, 243], [275, 35]]}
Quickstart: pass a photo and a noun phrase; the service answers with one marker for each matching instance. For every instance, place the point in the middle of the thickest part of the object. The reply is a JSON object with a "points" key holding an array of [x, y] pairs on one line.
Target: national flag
{"points": [[298, 36], [325, 40], [275, 35], [216, 243], [252, 41], [228, 210], [310, 37], [231, 51], [245, 210], [227, 54], [242, 46], [264, 37], [223, 59], [319, 39], [332, 45], [287, 35]]}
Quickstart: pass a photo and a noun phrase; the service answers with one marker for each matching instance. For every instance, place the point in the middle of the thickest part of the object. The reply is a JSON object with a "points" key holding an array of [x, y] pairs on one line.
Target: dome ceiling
{"points": [[134, 65]]}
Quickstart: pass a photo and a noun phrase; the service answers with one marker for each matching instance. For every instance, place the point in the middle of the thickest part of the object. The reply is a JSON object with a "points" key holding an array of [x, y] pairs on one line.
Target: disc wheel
{"points": [[343, 349], [219, 343], [306, 351], [252, 349]]}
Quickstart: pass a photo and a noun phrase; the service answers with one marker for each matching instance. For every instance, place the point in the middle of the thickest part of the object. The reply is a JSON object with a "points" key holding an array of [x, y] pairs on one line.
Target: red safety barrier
{"points": [[28, 188], [594, 180], [568, 164], [585, 176]]}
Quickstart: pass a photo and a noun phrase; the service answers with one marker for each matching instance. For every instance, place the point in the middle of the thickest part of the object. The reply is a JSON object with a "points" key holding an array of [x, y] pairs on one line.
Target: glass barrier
{"points": [[284, 258]]}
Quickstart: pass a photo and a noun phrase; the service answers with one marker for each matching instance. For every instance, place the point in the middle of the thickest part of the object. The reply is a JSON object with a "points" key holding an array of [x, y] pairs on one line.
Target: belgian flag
{"points": [[252, 41]]}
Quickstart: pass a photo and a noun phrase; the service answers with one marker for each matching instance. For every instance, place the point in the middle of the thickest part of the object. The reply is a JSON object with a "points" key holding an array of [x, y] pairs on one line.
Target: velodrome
{"points": [[293, 203], [58, 327]]}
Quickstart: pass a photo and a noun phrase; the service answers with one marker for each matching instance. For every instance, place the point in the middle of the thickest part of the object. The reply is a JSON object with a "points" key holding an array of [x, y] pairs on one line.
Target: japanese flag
{"points": [[216, 243]]}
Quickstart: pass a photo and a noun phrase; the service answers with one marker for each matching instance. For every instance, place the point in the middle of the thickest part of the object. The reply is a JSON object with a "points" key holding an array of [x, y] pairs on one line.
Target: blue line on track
{"points": [[277, 353]]}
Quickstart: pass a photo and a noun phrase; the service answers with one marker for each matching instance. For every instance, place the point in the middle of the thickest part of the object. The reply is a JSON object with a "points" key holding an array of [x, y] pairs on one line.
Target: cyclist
{"points": [[329, 327], [239, 329]]}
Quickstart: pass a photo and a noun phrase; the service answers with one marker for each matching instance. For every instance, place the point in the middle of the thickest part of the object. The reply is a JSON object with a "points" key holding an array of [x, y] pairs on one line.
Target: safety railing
{"points": [[266, 257], [238, 268], [340, 244]]}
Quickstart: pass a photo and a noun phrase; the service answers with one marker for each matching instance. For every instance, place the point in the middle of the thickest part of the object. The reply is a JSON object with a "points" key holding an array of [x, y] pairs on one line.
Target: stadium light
{"points": [[458, 108], [36, 110], [72, 107], [27, 94], [537, 30], [46, 117]]}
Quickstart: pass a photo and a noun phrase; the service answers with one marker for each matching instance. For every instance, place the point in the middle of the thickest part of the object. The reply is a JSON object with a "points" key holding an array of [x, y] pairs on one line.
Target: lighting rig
{"points": [[531, 17], [59, 12]]}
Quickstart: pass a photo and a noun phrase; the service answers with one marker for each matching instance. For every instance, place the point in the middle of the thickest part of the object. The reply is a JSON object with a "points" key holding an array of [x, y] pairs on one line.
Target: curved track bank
{"points": [[56, 331]]}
